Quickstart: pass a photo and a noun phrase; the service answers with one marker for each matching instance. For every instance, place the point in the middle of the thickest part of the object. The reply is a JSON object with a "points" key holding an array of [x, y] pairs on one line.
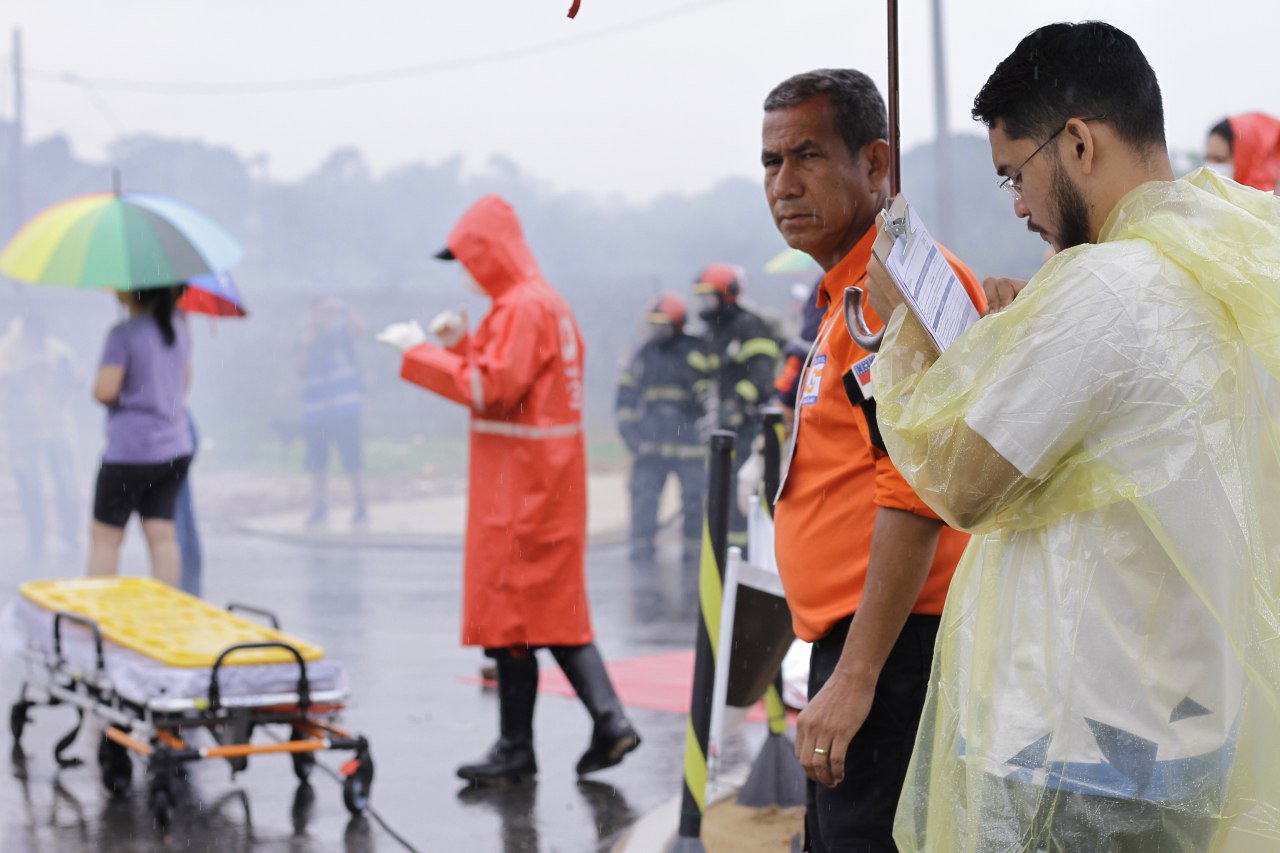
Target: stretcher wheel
{"points": [[303, 762], [162, 805], [164, 775], [355, 788], [116, 766], [18, 720]]}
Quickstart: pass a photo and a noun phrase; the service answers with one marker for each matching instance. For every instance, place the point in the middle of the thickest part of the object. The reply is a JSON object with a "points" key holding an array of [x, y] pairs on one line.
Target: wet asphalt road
{"points": [[391, 617]]}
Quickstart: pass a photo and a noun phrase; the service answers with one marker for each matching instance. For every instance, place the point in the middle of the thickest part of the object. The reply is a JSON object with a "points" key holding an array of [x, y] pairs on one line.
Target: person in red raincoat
{"points": [[1246, 148], [520, 373]]}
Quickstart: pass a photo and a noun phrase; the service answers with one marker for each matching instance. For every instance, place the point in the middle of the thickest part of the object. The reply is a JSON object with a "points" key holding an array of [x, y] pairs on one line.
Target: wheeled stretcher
{"points": [[150, 663]]}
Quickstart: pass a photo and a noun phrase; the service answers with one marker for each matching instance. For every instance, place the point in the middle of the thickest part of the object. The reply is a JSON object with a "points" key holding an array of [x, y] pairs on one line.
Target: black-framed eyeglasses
{"points": [[1013, 183]]}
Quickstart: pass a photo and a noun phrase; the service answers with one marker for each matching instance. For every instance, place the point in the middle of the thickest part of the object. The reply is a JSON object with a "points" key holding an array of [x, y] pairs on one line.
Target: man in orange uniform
{"points": [[864, 562], [520, 373]]}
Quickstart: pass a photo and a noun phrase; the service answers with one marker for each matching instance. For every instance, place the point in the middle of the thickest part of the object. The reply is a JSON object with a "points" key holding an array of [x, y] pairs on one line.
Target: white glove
{"points": [[402, 336], [449, 326], [750, 481]]}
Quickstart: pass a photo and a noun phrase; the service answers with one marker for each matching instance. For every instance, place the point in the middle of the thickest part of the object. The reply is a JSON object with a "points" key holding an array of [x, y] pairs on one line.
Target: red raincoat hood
{"points": [[1255, 149], [490, 244]]}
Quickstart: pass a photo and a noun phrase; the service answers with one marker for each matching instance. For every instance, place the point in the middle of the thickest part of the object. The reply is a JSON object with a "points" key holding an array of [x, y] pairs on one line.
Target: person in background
{"points": [[520, 374], [332, 402], [661, 397], [142, 380], [743, 354], [787, 384], [1246, 148], [38, 376], [185, 527]]}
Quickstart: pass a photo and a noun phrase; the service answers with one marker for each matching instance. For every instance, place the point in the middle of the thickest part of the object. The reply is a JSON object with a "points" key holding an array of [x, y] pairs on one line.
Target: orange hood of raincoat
{"points": [[489, 242], [1255, 148]]}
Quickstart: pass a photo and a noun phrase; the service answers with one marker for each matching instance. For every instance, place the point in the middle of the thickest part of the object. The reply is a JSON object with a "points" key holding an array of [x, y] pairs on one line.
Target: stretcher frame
{"points": [[152, 729]]}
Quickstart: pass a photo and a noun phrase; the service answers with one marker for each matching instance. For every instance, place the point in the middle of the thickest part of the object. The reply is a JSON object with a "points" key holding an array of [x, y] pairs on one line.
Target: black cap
{"points": [[446, 255]]}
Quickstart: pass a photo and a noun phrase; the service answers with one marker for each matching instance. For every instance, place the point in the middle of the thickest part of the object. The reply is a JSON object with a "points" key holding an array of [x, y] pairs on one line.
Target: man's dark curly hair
{"points": [[1064, 71]]}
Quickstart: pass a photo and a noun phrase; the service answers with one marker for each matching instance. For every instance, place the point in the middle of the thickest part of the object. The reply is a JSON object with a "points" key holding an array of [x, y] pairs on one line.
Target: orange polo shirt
{"points": [[837, 479]]}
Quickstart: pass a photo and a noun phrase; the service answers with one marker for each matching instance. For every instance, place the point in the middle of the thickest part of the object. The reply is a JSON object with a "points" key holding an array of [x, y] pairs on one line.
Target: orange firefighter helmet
{"points": [[727, 280]]}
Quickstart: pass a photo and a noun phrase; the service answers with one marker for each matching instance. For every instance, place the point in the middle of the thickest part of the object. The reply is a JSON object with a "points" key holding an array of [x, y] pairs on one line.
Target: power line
{"points": [[95, 97], [275, 87]]}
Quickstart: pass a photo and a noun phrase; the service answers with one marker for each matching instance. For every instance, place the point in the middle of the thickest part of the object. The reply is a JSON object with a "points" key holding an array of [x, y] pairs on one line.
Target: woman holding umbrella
{"points": [[143, 380], [141, 245]]}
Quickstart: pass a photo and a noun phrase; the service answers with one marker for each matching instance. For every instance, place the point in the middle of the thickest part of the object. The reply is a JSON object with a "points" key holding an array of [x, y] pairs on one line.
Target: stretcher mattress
{"points": [[163, 623], [26, 626]]}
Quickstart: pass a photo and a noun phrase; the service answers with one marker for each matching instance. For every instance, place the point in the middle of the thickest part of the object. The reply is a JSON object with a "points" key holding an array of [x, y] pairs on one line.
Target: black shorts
{"points": [[150, 490]]}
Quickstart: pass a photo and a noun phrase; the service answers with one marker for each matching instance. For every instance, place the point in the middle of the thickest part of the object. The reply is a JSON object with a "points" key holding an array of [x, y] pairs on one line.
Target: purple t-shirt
{"points": [[148, 423]]}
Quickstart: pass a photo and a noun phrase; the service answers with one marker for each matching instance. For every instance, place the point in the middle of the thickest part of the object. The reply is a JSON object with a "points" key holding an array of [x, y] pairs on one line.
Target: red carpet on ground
{"points": [[658, 682]]}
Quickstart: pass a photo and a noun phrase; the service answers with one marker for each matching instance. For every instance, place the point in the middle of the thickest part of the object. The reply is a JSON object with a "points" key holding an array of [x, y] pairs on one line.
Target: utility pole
{"points": [[942, 134], [260, 177], [17, 135]]}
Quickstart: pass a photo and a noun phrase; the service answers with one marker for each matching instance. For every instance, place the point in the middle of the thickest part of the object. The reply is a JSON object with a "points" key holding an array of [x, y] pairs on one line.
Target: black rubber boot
{"points": [[613, 737], [510, 761]]}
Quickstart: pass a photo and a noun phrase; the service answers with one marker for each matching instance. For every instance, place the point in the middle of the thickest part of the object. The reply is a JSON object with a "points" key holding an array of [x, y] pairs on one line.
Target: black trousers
{"points": [[649, 474], [1032, 817], [741, 453], [857, 814]]}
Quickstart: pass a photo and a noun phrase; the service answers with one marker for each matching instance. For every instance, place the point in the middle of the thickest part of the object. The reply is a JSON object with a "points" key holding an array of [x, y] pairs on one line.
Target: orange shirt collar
{"points": [[851, 269]]}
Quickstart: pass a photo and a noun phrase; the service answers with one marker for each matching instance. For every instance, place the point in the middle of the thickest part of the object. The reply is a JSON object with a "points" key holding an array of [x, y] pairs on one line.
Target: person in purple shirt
{"points": [[143, 381]]}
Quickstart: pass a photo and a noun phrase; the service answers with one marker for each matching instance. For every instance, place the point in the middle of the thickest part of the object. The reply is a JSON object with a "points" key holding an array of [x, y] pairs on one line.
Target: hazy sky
{"points": [[636, 97]]}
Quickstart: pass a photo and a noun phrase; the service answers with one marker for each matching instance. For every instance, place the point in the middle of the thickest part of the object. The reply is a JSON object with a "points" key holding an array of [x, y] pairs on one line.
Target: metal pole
{"points": [[942, 133], [940, 129], [715, 552], [853, 295], [895, 148], [18, 131]]}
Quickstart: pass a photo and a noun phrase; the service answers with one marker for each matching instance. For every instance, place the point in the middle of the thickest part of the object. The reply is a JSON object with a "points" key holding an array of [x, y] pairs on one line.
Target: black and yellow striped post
{"points": [[715, 553], [776, 777]]}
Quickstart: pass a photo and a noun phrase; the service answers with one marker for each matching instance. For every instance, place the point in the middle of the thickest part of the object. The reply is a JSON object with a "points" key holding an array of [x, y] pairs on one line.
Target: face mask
{"points": [[710, 305], [1226, 170], [661, 331]]}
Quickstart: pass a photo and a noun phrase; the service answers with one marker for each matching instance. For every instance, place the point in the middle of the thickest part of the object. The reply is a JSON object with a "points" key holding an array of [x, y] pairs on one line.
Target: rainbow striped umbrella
{"points": [[123, 241]]}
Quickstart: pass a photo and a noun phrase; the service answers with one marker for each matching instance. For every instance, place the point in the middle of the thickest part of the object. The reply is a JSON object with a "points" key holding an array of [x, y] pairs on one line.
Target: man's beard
{"points": [[1073, 213]]}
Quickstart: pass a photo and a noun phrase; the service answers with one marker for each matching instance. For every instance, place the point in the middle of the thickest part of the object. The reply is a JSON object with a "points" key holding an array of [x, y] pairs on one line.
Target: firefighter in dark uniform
{"points": [[744, 355], [661, 398]]}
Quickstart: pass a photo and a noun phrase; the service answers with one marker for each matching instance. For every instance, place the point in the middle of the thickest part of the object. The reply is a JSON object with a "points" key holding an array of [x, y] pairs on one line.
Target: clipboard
{"points": [[928, 285]]}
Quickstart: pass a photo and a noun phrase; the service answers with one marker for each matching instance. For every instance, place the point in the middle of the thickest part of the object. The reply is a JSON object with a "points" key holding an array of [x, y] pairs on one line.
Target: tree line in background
{"points": [[342, 227], [342, 230]]}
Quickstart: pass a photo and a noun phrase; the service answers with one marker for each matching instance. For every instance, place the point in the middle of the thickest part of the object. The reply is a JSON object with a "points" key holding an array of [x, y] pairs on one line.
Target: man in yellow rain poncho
{"points": [[1107, 670]]}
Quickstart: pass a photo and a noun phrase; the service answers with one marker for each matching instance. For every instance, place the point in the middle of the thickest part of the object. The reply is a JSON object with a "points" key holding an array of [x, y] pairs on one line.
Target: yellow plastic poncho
{"points": [[1107, 674]]}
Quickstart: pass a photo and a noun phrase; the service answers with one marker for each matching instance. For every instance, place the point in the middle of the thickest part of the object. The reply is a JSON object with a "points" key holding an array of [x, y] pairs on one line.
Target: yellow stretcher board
{"points": [[163, 623]]}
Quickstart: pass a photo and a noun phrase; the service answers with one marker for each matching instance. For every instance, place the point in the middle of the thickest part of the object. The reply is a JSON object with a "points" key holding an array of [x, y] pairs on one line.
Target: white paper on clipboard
{"points": [[930, 287]]}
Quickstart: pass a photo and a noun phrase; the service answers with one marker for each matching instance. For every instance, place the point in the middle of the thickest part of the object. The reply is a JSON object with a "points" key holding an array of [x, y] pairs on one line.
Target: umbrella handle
{"points": [[895, 147], [856, 323]]}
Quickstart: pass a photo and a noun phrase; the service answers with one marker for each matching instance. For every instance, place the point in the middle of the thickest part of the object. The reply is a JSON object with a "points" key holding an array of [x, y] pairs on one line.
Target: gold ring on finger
{"points": [[819, 750]]}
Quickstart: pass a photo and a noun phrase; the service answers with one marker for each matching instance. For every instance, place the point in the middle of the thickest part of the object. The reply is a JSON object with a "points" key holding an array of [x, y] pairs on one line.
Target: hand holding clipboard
{"points": [[921, 277]]}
